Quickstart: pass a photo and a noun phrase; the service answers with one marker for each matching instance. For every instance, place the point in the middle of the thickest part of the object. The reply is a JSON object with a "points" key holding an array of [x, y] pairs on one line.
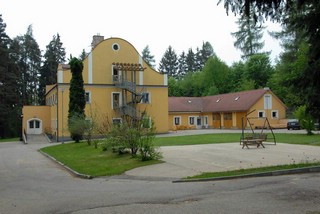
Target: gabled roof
{"points": [[232, 102]]}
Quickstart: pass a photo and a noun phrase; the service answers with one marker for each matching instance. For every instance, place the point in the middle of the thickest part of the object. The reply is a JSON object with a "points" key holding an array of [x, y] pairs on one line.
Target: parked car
{"points": [[293, 124]]}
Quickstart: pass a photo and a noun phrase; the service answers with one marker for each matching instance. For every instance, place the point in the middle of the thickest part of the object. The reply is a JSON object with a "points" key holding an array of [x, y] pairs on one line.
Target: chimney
{"points": [[96, 39]]}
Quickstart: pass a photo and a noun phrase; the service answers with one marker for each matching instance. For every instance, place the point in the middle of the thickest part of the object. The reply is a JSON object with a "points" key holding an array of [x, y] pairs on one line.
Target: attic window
{"points": [[189, 101], [115, 47], [218, 100], [237, 98]]}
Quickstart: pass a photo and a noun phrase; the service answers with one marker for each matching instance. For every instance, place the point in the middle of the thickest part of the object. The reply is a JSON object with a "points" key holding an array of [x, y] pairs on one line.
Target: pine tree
{"points": [[182, 67], [29, 63], [191, 61], [206, 52], [54, 55], [146, 55], [169, 63], [248, 38], [83, 55], [77, 101], [10, 106]]}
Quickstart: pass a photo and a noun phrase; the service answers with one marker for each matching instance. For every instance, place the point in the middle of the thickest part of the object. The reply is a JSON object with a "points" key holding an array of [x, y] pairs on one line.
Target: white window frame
{"points": [[189, 120], [112, 93], [276, 112], [89, 93], [174, 120], [118, 79], [267, 98], [263, 114], [149, 97], [116, 118]]}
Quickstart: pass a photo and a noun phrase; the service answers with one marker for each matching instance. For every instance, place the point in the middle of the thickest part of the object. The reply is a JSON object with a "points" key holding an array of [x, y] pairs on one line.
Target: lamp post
{"points": [[62, 117]]}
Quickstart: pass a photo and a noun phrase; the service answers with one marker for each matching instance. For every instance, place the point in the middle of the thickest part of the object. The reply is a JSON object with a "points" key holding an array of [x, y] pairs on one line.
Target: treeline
{"points": [[24, 73]]}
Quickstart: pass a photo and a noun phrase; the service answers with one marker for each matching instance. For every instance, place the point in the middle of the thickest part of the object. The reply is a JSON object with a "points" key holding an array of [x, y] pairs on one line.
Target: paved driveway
{"points": [[31, 183]]}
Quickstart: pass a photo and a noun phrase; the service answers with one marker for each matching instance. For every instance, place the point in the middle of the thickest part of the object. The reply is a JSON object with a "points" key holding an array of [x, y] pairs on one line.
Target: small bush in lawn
{"points": [[147, 148]]}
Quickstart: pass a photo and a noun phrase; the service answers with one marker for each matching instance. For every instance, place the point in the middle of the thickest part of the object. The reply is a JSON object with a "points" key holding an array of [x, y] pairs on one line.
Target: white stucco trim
{"points": [[165, 79], [60, 76], [140, 72], [90, 68]]}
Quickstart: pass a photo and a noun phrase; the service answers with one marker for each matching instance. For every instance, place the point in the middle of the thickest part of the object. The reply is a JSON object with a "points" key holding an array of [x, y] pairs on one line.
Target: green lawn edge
{"points": [[85, 157], [239, 172]]}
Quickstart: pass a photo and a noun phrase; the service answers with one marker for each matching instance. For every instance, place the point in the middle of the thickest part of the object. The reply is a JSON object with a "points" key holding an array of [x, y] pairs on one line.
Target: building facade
{"points": [[118, 84], [227, 111]]}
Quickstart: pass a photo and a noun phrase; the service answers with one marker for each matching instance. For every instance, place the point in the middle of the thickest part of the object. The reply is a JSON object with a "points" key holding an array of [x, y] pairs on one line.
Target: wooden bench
{"points": [[253, 139]]}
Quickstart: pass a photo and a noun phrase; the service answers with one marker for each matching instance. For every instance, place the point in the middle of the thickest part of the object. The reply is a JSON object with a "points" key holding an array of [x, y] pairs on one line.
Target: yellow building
{"points": [[227, 111], [117, 83]]}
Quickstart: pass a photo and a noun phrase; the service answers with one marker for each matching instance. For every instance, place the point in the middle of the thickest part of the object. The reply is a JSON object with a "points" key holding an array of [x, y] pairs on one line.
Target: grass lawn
{"points": [[9, 140], [235, 137], [90, 161]]}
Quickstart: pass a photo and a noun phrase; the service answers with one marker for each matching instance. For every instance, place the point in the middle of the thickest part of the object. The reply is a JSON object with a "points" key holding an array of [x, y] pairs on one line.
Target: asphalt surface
{"points": [[30, 183]]}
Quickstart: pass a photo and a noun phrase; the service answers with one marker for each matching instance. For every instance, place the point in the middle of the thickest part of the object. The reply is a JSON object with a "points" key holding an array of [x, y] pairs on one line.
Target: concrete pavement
{"points": [[183, 161]]}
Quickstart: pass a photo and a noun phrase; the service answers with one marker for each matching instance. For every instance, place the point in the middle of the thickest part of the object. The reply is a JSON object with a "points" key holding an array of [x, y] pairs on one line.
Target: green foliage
{"points": [[54, 55], [305, 119], [258, 69], [77, 102], [169, 62], [135, 136], [77, 126], [248, 38], [146, 55], [87, 160]]}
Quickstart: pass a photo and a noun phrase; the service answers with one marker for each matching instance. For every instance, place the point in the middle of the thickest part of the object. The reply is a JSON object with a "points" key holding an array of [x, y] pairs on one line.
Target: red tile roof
{"points": [[232, 102]]}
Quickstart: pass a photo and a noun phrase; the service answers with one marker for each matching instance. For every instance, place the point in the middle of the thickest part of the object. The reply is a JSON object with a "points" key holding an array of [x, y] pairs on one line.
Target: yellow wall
{"points": [[101, 86], [36, 112], [277, 105]]}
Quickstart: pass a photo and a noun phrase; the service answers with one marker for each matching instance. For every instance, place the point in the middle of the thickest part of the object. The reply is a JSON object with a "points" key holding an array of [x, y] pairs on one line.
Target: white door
{"points": [[34, 126]]}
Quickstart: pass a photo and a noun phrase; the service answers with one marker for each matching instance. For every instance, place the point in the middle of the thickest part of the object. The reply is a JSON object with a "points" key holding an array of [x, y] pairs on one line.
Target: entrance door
{"points": [[34, 126], [199, 123]]}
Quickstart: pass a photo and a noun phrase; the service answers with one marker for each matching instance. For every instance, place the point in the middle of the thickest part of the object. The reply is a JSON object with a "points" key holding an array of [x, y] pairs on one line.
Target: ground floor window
{"points": [[177, 121], [261, 114], [191, 121], [116, 121]]}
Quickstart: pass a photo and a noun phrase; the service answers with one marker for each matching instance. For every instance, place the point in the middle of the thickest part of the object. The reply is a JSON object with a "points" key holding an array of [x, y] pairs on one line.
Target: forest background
{"points": [[294, 78]]}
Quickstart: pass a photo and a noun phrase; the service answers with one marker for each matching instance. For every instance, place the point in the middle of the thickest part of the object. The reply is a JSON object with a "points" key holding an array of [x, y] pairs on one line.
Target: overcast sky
{"points": [[183, 24]]}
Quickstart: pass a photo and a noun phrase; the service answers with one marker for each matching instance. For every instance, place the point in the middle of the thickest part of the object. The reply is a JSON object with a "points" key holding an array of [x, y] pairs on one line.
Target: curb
{"points": [[262, 174], [79, 175]]}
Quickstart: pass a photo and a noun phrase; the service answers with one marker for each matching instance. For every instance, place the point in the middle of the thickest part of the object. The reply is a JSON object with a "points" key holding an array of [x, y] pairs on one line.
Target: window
{"points": [[115, 100], [191, 120], [267, 101], [261, 114], [145, 97], [115, 47], [31, 124], [115, 74], [116, 121], [88, 97], [176, 120], [274, 114], [37, 124]]}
